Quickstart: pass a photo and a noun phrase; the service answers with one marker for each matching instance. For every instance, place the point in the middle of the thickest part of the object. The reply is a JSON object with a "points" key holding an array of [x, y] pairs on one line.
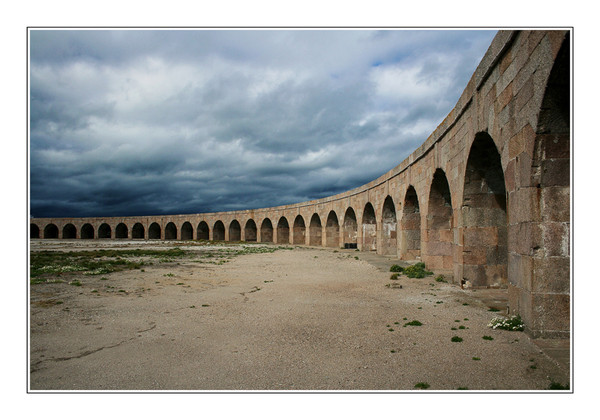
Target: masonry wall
{"points": [[485, 199]]}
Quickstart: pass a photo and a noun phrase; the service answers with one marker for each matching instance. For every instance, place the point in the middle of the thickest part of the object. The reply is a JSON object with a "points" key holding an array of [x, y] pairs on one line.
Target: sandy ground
{"points": [[296, 319]]}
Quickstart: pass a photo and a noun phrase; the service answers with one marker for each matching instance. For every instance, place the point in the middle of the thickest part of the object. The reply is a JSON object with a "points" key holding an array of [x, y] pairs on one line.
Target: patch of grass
{"points": [[179, 284], [414, 323], [417, 271], [205, 305], [558, 386], [493, 310], [75, 283], [456, 339], [487, 337], [476, 358], [390, 329], [461, 327], [396, 268], [394, 276], [465, 304], [440, 279], [422, 385], [37, 281]]}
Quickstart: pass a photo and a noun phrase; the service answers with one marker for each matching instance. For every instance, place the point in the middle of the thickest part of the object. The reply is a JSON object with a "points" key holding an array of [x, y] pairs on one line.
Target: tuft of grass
{"points": [[476, 358], [456, 339], [394, 276], [487, 337], [75, 283], [414, 323], [557, 386], [440, 279], [422, 385], [493, 310], [417, 271], [396, 268]]}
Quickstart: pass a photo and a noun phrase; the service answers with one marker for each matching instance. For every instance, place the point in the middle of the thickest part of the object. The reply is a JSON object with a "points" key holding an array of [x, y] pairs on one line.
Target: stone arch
{"points": [[104, 231], [389, 226], [350, 229], [369, 228], [332, 230], [235, 231], [87, 231], [34, 231], [283, 231], [187, 232], [51, 231], [121, 231], [137, 231], [218, 231], [250, 231], [439, 236], [315, 231], [299, 231], [543, 298], [485, 241], [154, 231], [171, 231], [410, 242], [203, 231], [69, 231], [266, 231]]}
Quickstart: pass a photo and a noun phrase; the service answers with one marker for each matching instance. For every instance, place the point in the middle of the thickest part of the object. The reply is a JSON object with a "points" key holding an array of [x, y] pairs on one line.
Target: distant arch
{"points": [[369, 228], [440, 236], [235, 231], [171, 231], [332, 230], [350, 229], [69, 231], [121, 231], [203, 231], [266, 231], [104, 231], [485, 240], [389, 226], [154, 231], [218, 231], [315, 231], [283, 231], [138, 231], [87, 231], [51, 231], [410, 242], [299, 231], [250, 231], [34, 231], [187, 232]]}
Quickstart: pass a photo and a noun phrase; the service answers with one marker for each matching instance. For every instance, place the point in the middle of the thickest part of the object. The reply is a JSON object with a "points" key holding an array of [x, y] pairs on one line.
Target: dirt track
{"points": [[295, 319]]}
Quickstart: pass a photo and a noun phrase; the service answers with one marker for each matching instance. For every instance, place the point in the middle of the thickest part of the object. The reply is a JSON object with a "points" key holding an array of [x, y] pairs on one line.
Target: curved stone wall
{"points": [[485, 199]]}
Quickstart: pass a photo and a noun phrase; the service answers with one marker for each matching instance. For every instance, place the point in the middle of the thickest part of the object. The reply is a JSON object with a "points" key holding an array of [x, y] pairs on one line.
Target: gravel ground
{"points": [[297, 319]]}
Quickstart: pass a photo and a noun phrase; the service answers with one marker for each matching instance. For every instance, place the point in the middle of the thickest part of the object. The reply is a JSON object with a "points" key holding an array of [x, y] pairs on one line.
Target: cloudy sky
{"points": [[144, 122]]}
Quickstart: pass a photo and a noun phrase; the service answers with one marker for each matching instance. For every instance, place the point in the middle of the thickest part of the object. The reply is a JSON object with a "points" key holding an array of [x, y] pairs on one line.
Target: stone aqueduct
{"points": [[485, 199]]}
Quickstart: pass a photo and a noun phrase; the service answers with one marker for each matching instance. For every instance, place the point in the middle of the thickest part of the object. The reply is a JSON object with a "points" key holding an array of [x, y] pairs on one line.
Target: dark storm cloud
{"points": [[134, 122]]}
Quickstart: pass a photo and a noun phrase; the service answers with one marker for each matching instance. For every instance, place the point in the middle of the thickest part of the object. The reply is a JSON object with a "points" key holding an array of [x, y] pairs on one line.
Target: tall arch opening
{"points": [[369, 228], [350, 229], [410, 242], [440, 236], [121, 231], [283, 231], [187, 232], [235, 231], [171, 231], [137, 231], [34, 231], [332, 230], [69, 231], [87, 231], [299, 231], [485, 239], [266, 231], [389, 226], [104, 231], [250, 231], [154, 231], [203, 231], [51, 231], [315, 231], [544, 300], [219, 231]]}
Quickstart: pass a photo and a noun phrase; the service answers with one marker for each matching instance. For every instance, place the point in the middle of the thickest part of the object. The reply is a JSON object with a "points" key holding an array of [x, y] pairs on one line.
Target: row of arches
{"points": [[404, 232]]}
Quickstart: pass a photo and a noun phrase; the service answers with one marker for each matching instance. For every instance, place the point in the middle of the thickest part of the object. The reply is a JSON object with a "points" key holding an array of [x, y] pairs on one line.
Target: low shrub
{"points": [[514, 323]]}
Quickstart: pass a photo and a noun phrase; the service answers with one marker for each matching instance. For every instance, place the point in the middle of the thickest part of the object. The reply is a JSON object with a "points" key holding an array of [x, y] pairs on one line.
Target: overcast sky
{"points": [[145, 122]]}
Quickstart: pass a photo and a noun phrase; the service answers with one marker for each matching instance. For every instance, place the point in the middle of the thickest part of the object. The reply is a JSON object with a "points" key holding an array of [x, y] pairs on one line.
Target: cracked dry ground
{"points": [[296, 319]]}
